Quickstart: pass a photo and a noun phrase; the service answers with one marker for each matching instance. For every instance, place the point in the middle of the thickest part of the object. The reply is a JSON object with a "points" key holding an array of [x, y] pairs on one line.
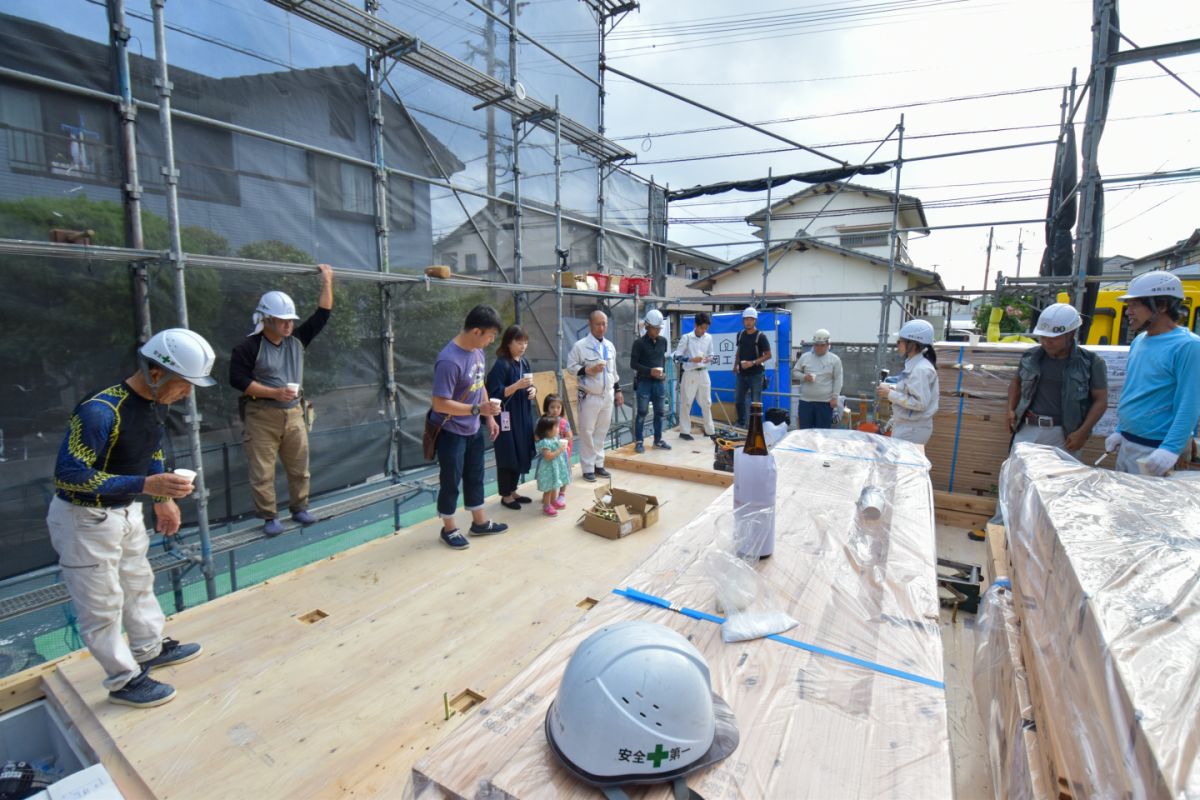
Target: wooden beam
{"points": [[966, 503], [26, 686]]}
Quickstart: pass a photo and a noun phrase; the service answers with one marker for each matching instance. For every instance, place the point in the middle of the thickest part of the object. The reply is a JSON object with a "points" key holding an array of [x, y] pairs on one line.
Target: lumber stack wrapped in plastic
{"points": [[848, 703], [1002, 694], [970, 430], [1105, 572]]}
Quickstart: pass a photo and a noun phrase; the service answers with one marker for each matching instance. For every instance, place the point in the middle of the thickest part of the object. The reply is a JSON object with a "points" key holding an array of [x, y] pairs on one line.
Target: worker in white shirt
{"points": [[914, 397], [593, 359], [819, 373], [695, 353]]}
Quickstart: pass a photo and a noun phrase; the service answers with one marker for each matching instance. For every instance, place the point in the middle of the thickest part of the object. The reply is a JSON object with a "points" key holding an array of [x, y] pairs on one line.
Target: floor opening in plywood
{"points": [[465, 700], [587, 603], [316, 615]]}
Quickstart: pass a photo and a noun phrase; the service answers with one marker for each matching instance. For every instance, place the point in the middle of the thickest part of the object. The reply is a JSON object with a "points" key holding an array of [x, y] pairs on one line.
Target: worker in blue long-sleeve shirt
{"points": [[1160, 404], [112, 455]]}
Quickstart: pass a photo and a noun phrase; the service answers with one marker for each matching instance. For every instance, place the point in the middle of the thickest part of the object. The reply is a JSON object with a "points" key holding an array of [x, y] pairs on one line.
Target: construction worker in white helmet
{"points": [[1160, 403], [112, 456], [1060, 390], [819, 373], [914, 396], [648, 360], [267, 367]]}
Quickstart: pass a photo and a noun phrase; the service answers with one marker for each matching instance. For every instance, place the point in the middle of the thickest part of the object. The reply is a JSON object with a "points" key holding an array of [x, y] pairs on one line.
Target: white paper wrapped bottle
{"points": [[754, 493]]}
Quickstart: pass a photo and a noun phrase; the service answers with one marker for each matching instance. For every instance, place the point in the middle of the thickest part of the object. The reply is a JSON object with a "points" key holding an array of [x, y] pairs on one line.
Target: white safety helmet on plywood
{"points": [[1154, 284], [636, 706], [653, 318], [1057, 319], [916, 330], [821, 336], [181, 352]]}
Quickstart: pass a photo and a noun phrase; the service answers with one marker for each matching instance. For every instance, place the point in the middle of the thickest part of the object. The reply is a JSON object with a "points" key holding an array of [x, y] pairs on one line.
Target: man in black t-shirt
{"points": [[753, 350]]}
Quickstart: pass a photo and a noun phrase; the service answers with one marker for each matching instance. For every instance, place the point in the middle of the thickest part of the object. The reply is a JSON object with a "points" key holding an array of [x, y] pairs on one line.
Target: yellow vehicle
{"points": [[1109, 325]]}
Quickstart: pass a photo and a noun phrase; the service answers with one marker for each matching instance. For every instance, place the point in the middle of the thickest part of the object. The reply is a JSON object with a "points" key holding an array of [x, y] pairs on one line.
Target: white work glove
{"points": [[1160, 462], [1113, 441]]}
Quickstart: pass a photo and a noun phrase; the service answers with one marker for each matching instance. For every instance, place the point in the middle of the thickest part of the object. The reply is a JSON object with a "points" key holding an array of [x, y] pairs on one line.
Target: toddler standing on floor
{"points": [[552, 471], [552, 407]]}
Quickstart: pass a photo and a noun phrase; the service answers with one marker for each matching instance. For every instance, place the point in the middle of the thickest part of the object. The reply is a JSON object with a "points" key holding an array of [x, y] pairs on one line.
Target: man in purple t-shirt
{"points": [[460, 398]]}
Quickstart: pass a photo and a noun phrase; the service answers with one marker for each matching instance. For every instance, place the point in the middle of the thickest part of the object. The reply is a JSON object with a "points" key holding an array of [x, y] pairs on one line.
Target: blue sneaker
{"points": [[143, 692], [488, 528], [661, 445], [172, 653], [304, 518], [639, 448], [273, 528], [455, 540]]}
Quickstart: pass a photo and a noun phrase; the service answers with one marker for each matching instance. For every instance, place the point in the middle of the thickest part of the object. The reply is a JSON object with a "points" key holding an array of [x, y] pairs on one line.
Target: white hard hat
{"points": [[821, 335], [1154, 284], [1057, 319], [273, 304], [750, 311], [636, 706], [653, 318], [182, 352], [916, 330], [277, 305]]}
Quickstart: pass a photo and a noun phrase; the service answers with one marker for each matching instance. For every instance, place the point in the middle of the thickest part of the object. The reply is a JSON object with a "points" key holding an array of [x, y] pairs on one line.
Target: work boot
{"points": [[601, 472], [687, 437], [143, 692]]}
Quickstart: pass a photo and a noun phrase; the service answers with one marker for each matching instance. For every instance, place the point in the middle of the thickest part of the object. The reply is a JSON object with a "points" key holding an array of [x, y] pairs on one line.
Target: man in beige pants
{"points": [[267, 367], [110, 456]]}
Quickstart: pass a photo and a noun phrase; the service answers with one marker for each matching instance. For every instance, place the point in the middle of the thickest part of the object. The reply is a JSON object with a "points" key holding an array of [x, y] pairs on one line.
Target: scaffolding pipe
{"points": [[766, 264], [376, 78], [176, 256], [559, 253], [518, 215], [132, 189], [893, 240]]}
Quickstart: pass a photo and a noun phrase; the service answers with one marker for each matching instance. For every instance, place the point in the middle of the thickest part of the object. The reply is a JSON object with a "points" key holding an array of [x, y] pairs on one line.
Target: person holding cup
{"points": [[460, 399], [111, 456], [695, 354], [648, 360], [267, 367], [511, 380]]}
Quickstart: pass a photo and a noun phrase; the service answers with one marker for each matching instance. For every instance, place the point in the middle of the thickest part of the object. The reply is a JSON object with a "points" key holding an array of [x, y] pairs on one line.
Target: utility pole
{"points": [[1020, 249], [987, 265]]}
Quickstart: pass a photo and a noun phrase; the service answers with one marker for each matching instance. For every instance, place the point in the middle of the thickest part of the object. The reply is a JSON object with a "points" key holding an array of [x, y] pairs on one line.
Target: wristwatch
{"points": [[475, 409]]}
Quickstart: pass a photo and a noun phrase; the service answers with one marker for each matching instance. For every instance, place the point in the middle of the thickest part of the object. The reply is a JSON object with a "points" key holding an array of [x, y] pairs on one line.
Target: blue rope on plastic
{"points": [[958, 424], [642, 597], [851, 458]]}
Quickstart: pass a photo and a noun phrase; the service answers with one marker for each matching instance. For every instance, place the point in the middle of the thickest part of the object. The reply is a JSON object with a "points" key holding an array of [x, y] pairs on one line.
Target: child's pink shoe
{"points": [[560, 501], [549, 511]]}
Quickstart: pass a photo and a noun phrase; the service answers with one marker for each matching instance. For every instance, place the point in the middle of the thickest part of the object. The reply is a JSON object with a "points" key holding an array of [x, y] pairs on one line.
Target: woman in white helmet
{"points": [[1160, 403], [112, 456], [914, 397]]}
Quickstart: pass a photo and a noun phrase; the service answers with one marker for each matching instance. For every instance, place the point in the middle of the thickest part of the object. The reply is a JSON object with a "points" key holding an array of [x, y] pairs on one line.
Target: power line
{"points": [[911, 104]]}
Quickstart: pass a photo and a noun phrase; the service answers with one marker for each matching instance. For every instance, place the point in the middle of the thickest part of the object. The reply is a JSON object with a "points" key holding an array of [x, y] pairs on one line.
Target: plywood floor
{"points": [[285, 704]]}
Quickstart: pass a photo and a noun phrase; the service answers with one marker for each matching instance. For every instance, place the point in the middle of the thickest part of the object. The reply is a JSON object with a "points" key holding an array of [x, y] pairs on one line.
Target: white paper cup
{"points": [[190, 474], [293, 387], [495, 404]]}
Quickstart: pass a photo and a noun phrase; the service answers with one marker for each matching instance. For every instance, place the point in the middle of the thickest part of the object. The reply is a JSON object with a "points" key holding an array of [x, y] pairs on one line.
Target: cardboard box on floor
{"points": [[634, 512]]}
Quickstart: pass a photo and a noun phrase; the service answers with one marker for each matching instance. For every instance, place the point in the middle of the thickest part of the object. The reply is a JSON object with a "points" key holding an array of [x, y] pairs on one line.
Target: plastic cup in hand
{"points": [[294, 387], [190, 474], [562, 443], [495, 405]]}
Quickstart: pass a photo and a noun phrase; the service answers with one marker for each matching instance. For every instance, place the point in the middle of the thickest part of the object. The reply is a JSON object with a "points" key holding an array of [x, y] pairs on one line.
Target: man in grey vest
{"points": [[1060, 390], [267, 367]]}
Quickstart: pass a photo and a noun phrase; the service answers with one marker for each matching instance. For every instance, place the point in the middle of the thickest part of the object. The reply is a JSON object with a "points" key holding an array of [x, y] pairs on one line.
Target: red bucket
{"points": [[601, 281], [637, 285]]}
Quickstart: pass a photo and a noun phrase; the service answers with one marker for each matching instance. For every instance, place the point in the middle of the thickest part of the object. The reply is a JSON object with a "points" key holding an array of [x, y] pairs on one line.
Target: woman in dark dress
{"points": [[511, 380]]}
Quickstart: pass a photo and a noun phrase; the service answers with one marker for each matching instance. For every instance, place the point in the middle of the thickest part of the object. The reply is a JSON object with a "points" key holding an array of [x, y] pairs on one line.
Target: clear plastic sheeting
{"points": [[1002, 693], [849, 703], [1105, 569]]}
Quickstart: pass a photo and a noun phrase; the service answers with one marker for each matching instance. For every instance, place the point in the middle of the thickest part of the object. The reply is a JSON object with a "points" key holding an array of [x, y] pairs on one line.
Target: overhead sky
{"points": [[824, 62]]}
